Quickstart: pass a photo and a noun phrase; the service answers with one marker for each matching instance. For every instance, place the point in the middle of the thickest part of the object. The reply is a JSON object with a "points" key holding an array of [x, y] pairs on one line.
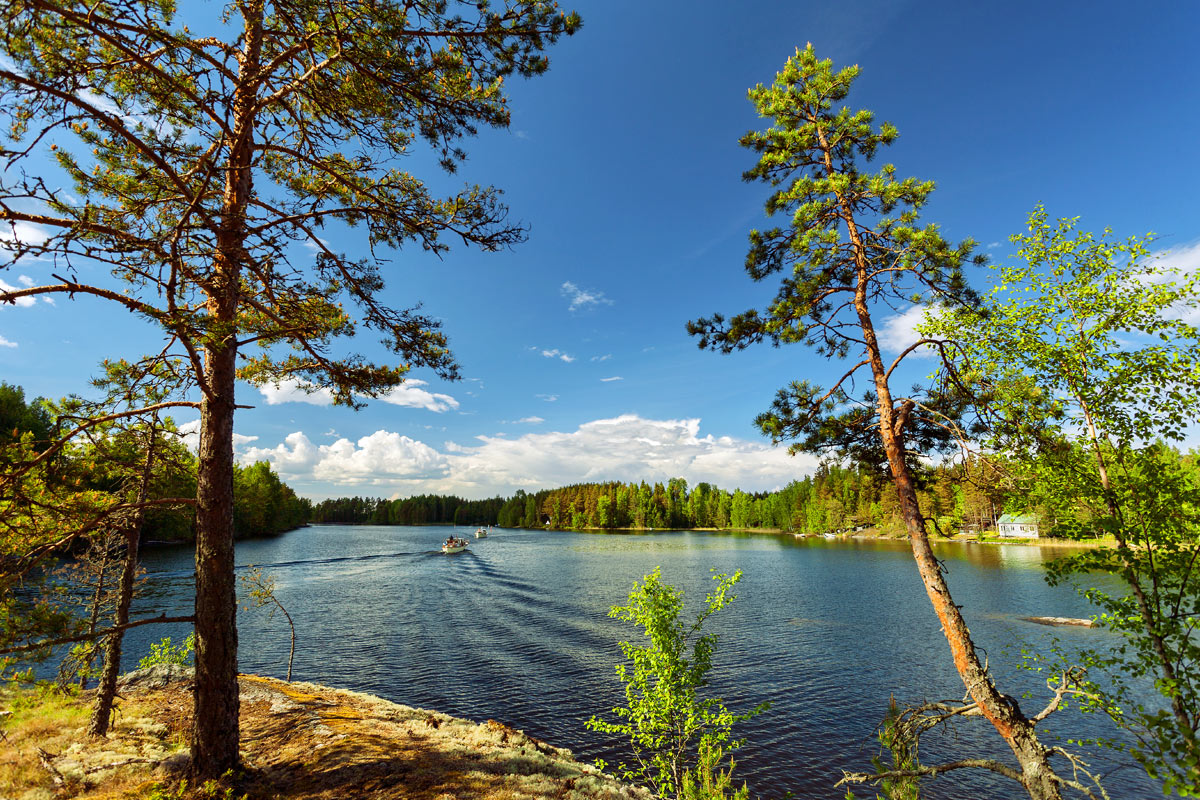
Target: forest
{"points": [[963, 497], [240, 188], [100, 472]]}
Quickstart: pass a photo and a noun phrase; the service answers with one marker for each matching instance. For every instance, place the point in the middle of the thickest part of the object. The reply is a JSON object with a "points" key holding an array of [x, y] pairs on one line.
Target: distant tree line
{"points": [[956, 498], [426, 509]]}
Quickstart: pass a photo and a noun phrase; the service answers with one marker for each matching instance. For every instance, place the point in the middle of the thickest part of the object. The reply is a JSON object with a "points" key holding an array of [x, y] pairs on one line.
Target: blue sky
{"points": [[623, 161]]}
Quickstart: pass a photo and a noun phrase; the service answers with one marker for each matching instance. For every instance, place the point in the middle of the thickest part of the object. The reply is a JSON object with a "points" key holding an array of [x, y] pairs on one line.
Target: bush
{"points": [[163, 653], [678, 737]]}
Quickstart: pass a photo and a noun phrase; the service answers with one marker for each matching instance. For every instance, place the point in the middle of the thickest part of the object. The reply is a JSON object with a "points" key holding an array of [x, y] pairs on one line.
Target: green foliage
{"points": [[1084, 368], [260, 591], [163, 653], [207, 790], [678, 736], [18, 417], [849, 240], [711, 779], [263, 505]]}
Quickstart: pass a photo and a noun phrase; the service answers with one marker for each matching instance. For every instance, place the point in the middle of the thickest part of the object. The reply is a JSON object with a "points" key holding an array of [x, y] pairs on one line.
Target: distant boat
{"points": [[830, 535], [480, 533], [454, 545]]}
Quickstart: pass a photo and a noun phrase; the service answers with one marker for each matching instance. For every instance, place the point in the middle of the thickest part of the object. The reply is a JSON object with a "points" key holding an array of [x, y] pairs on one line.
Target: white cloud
{"points": [[21, 302], [1177, 265], [625, 448], [582, 298], [613, 378], [408, 394], [6, 342], [559, 354], [549, 398], [1179, 260], [530, 421], [189, 433], [289, 391], [14, 235], [899, 331], [375, 460], [604, 357]]}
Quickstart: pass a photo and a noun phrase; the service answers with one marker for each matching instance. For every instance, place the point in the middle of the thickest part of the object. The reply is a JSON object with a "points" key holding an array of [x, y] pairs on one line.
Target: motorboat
{"points": [[481, 533], [454, 545]]}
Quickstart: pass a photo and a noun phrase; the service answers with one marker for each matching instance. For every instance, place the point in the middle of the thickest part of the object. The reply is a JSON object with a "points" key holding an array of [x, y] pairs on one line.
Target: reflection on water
{"points": [[516, 629]]}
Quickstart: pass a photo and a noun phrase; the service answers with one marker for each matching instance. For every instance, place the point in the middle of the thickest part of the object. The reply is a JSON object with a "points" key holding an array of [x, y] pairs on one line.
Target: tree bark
{"points": [[107, 690], [215, 727], [1002, 711], [1038, 776]]}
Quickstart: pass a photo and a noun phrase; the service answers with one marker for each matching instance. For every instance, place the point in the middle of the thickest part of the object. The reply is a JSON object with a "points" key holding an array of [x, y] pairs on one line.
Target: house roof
{"points": [[1018, 519]]}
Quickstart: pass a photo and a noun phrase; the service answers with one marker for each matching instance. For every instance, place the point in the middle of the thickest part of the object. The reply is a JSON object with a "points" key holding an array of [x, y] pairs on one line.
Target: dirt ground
{"points": [[298, 741]]}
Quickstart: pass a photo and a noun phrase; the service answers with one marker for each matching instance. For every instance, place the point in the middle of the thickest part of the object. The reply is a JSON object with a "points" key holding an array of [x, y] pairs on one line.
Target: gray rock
{"points": [[157, 677]]}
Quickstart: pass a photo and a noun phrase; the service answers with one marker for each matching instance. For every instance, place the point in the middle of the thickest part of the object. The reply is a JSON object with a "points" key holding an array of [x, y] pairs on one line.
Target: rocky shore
{"points": [[299, 740]]}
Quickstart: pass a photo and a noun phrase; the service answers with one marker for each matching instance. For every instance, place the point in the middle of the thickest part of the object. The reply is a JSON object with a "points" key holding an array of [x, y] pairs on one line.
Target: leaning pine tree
{"points": [[174, 171], [850, 248]]}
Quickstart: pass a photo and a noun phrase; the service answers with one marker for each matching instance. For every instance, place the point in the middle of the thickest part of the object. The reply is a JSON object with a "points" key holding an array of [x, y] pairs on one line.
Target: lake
{"points": [[516, 629]]}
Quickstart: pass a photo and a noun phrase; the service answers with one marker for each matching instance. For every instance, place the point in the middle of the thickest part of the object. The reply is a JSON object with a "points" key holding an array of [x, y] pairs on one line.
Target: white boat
{"points": [[454, 545], [480, 533]]}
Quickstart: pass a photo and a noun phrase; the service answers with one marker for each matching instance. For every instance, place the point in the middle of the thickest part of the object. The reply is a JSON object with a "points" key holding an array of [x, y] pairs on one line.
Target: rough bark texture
{"points": [[215, 728], [107, 690]]}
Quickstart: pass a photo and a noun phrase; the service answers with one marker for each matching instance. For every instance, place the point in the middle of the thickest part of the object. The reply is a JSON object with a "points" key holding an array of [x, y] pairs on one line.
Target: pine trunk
{"points": [[215, 727], [107, 690], [1001, 710]]}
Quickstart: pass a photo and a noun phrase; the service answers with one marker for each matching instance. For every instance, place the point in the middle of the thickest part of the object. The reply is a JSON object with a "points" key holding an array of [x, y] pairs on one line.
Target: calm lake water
{"points": [[515, 629]]}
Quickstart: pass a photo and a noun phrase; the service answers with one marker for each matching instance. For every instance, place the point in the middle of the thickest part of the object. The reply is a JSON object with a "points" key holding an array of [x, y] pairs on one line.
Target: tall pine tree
{"points": [[192, 160], [850, 248]]}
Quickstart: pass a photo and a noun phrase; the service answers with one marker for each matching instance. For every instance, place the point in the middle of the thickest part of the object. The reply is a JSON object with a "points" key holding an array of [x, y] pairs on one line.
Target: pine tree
{"points": [[850, 247], [196, 162]]}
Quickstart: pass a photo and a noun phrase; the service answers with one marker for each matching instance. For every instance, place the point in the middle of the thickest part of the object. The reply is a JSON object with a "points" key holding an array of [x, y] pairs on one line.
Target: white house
{"points": [[1023, 526]]}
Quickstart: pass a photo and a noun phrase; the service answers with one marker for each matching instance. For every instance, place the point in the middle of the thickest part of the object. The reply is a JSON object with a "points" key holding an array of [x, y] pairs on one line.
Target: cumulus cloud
{"points": [[583, 298], [189, 434], [21, 302], [900, 331], [15, 235], [625, 448], [376, 460], [559, 354], [408, 394], [290, 392], [6, 342]]}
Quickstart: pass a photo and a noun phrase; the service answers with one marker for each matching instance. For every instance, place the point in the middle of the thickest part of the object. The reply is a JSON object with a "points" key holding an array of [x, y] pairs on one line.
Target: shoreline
{"points": [[299, 741]]}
